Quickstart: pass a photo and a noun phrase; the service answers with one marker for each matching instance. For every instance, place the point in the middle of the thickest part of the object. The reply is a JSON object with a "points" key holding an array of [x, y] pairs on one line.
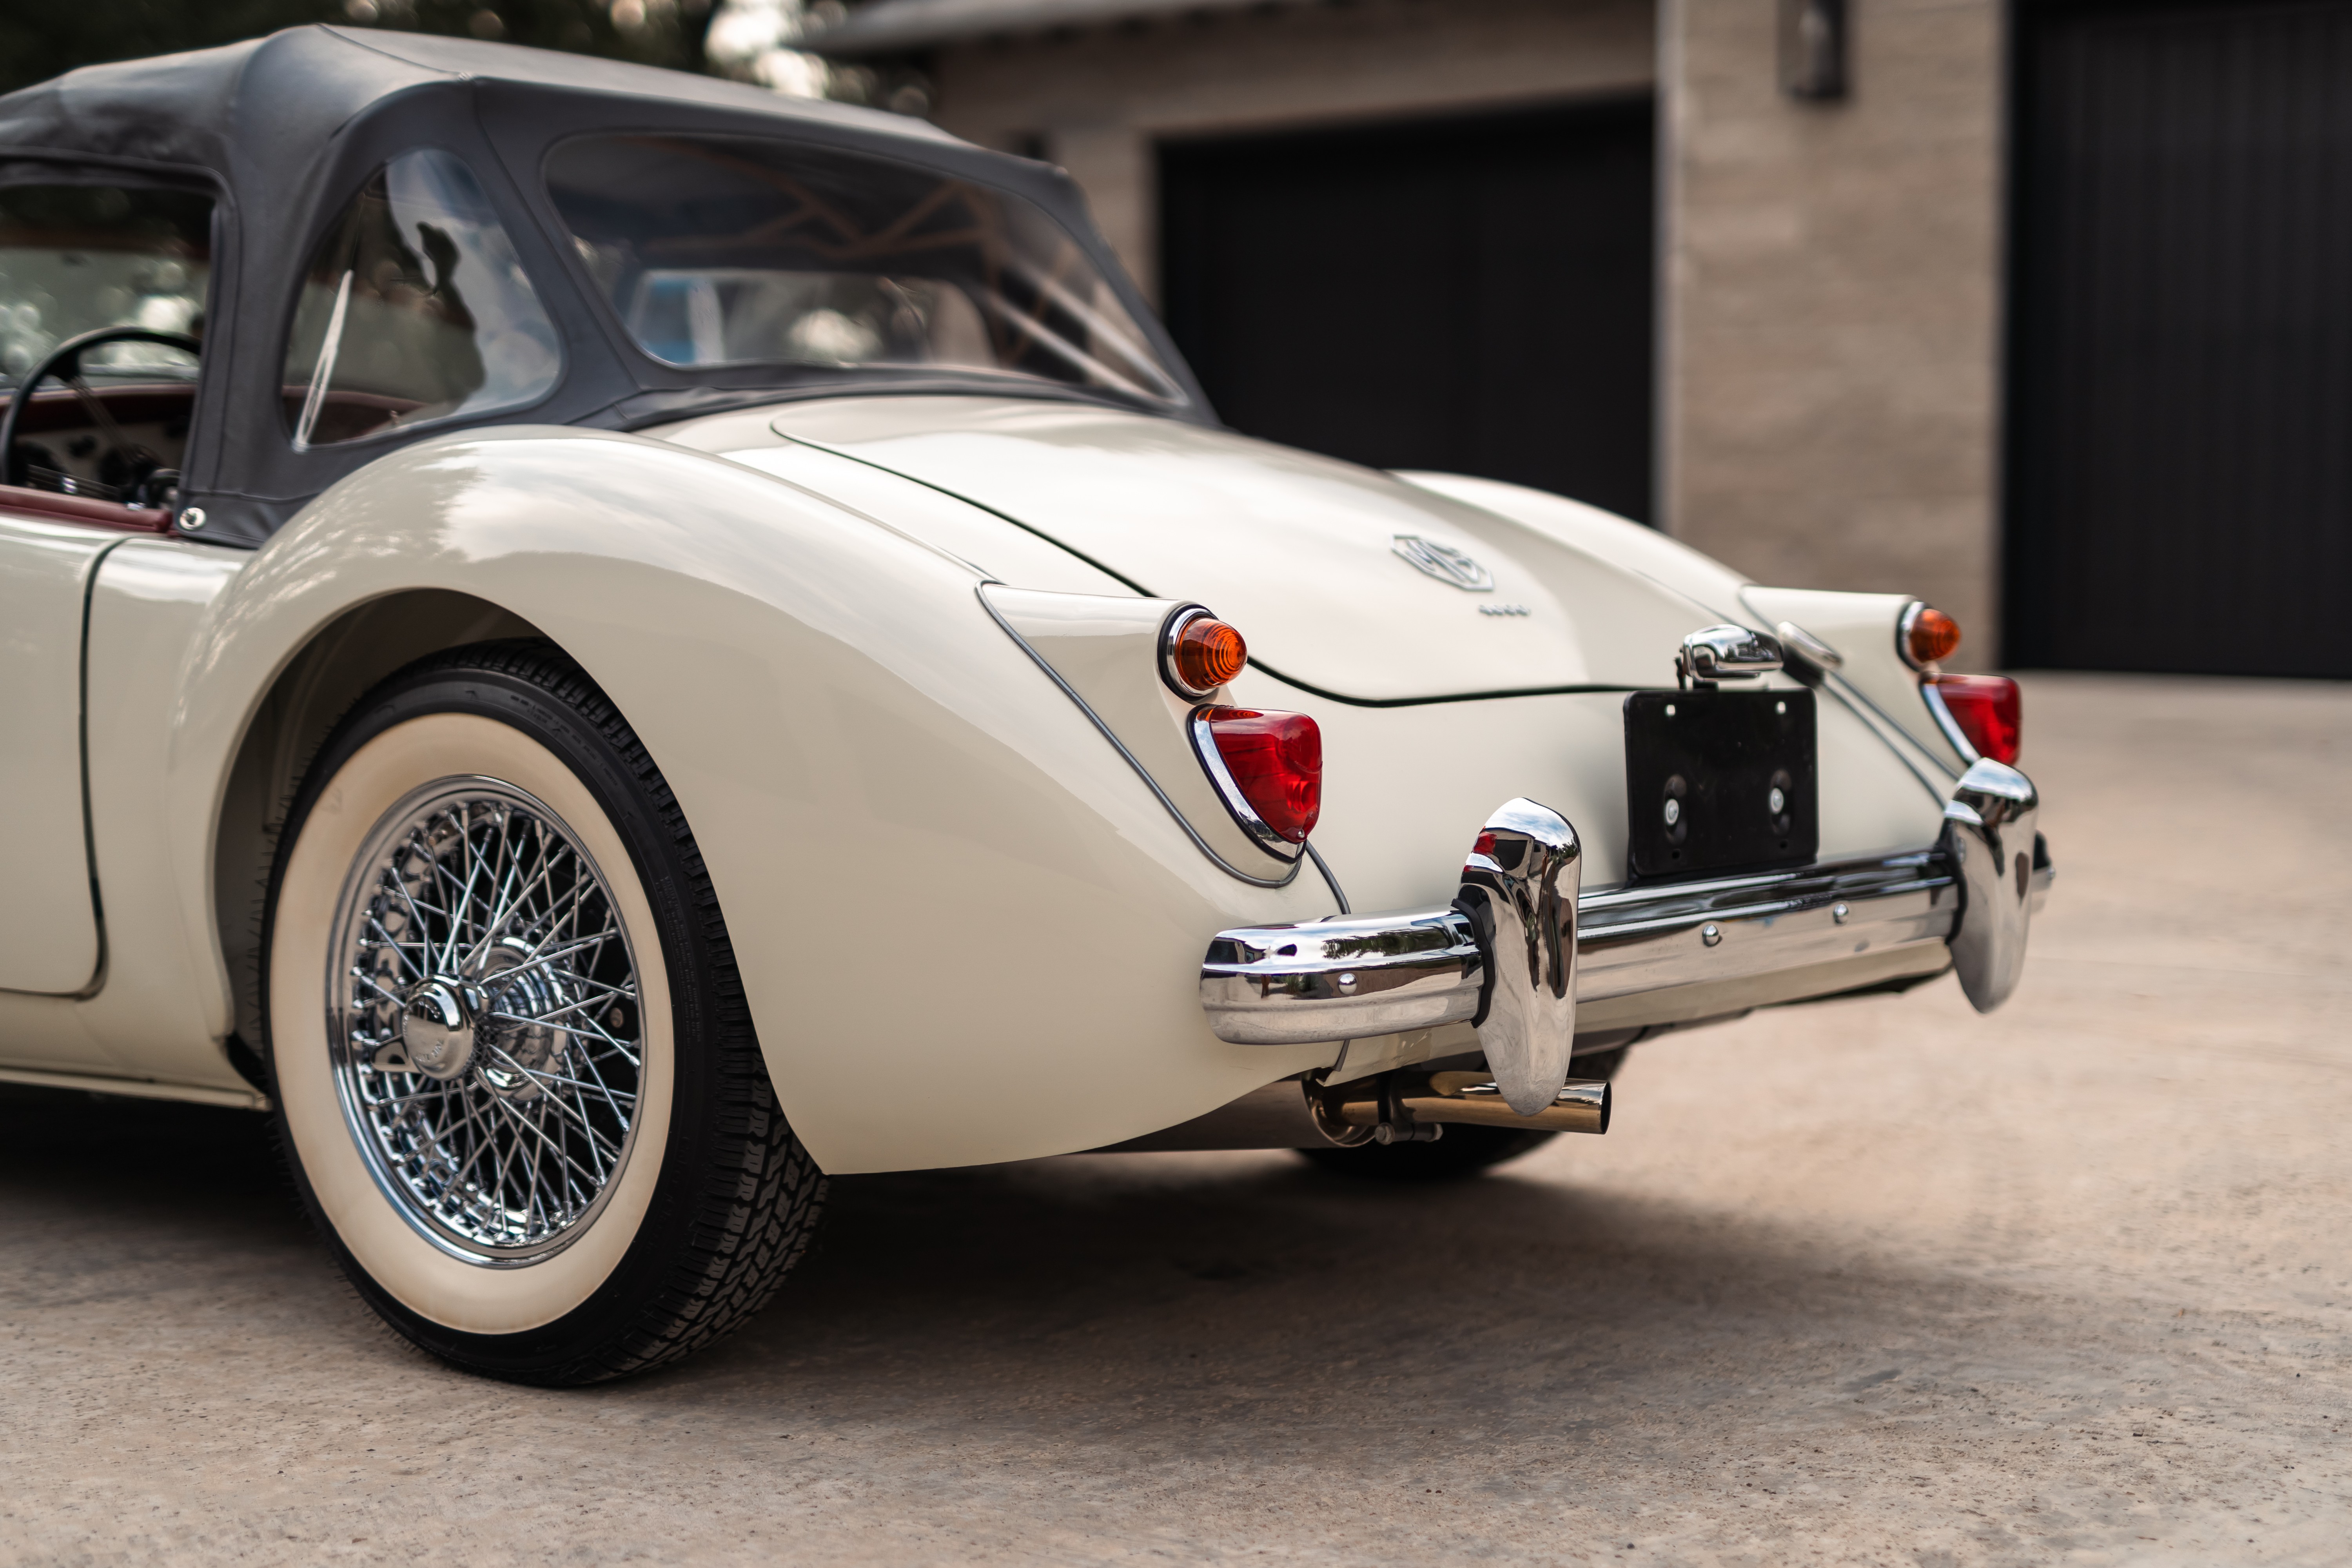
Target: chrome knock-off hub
{"points": [[437, 1028]]}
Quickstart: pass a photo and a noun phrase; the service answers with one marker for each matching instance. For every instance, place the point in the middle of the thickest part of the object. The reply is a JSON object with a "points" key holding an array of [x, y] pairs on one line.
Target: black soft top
{"points": [[281, 131]]}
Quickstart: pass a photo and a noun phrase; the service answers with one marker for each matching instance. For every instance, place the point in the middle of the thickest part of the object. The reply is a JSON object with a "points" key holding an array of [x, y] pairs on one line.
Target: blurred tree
{"points": [[40, 39]]}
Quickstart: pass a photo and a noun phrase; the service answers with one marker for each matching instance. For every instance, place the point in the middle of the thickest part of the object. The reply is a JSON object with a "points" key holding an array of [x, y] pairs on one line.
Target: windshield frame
{"points": [[674, 391]]}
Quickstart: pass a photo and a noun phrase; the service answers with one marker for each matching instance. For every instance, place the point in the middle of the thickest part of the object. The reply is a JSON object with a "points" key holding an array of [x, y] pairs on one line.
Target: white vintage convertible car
{"points": [[603, 644]]}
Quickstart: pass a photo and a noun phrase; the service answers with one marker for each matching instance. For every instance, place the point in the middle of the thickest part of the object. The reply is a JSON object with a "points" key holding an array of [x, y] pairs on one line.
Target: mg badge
{"points": [[1444, 562]]}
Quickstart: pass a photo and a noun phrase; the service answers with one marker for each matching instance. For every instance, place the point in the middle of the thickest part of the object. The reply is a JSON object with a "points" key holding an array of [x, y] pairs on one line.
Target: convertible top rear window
{"points": [[745, 250], [415, 308]]}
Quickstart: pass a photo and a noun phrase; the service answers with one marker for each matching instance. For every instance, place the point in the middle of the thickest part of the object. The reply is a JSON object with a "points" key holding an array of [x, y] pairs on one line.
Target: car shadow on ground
{"points": [[137, 1159], [1093, 1296], [1215, 1298]]}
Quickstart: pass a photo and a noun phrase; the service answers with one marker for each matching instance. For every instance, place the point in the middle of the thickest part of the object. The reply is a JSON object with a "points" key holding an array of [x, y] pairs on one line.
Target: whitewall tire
{"points": [[517, 1081]]}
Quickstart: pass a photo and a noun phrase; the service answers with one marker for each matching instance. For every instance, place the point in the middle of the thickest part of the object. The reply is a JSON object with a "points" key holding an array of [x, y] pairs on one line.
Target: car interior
{"points": [[102, 434], [120, 444]]}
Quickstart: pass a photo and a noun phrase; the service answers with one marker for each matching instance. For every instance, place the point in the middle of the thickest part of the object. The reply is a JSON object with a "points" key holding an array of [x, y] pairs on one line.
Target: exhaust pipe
{"points": [[1408, 1107], [1395, 1107]]}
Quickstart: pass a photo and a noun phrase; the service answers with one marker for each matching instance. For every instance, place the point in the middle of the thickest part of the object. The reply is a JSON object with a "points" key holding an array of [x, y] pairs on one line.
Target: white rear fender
{"points": [[1861, 631], [967, 929]]}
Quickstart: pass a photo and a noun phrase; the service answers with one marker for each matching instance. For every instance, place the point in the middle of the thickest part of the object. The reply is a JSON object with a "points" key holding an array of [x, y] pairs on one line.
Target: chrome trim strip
{"points": [[1682, 947], [1957, 737], [1903, 625], [1642, 911], [1907, 748], [980, 593], [1229, 790], [1808, 647], [139, 1088], [1180, 617]]}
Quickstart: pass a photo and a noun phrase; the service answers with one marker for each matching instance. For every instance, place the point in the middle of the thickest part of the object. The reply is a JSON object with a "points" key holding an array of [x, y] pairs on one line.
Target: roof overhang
{"points": [[904, 26]]}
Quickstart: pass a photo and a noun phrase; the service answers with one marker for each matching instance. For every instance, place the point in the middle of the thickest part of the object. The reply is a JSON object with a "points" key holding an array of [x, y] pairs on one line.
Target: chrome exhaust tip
{"points": [[1408, 1107]]}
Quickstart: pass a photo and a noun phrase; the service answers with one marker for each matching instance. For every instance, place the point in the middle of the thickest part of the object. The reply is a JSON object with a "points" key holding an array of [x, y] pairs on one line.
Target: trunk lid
{"points": [[1300, 552]]}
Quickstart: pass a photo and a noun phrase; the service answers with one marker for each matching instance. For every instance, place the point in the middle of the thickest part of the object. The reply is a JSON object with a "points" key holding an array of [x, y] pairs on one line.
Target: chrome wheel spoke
{"points": [[543, 1076], [481, 958]]}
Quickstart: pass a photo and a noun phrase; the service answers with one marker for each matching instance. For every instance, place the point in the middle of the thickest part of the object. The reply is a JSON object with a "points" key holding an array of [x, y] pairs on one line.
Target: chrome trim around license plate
{"points": [[1681, 951]]}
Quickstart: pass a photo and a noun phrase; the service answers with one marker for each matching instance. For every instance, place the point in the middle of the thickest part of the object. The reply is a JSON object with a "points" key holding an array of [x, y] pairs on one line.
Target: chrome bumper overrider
{"points": [[1663, 955], [2004, 873]]}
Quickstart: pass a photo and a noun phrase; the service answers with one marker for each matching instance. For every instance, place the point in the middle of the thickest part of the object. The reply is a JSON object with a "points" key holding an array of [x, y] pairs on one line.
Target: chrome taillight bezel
{"points": [[1954, 736], [1170, 630], [1261, 832], [1903, 625]]}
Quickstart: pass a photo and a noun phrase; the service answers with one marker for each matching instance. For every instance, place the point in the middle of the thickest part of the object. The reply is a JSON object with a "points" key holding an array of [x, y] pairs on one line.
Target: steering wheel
{"points": [[64, 363]]}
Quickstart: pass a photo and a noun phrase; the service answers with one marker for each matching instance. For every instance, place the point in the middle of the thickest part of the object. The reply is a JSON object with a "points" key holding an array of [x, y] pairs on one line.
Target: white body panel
{"points": [[968, 930], [48, 926], [1703, 582], [163, 1007], [1106, 650], [1863, 629], [1296, 550], [919, 842]]}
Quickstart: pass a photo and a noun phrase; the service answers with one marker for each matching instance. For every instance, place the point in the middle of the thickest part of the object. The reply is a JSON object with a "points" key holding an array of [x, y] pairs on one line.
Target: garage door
{"points": [[1470, 295], [2180, 406]]}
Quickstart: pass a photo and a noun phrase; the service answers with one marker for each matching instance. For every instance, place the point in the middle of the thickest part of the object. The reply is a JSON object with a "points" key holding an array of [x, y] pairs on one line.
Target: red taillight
{"points": [[1276, 761], [1988, 710]]}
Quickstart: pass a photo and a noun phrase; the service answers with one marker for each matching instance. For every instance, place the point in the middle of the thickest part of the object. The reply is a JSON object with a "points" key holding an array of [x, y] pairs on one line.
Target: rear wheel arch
{"points": [[332, 670]]}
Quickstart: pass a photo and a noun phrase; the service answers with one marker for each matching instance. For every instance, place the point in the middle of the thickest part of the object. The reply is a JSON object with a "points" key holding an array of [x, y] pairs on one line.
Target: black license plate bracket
{"points": [[1703, 770]]}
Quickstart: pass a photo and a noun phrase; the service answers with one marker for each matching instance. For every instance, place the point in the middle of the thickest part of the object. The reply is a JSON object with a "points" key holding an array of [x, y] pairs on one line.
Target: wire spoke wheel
{"points": [[484, 1021], [513, 1061]]}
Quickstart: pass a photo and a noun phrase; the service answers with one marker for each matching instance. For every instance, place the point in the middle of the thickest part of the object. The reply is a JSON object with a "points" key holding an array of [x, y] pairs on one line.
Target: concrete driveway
{"points": [[1880, 1281]]}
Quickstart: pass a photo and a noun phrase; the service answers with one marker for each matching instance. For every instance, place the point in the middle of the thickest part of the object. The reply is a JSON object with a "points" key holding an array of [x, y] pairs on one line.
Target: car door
{"points": [[48, 918], [79, 249]]}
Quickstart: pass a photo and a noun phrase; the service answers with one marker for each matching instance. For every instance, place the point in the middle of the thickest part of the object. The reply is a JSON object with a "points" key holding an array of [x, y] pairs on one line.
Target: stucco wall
{"points": [[1830, 391], [1097, 101]]}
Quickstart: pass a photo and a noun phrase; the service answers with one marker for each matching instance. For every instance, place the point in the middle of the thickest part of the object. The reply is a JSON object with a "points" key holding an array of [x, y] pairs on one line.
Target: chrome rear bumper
{"points": [[1644, 955]]}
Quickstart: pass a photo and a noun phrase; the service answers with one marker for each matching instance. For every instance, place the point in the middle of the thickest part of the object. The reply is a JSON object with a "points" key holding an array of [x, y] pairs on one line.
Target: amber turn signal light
{"points": [[1202, 653], [1930, 636]]}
